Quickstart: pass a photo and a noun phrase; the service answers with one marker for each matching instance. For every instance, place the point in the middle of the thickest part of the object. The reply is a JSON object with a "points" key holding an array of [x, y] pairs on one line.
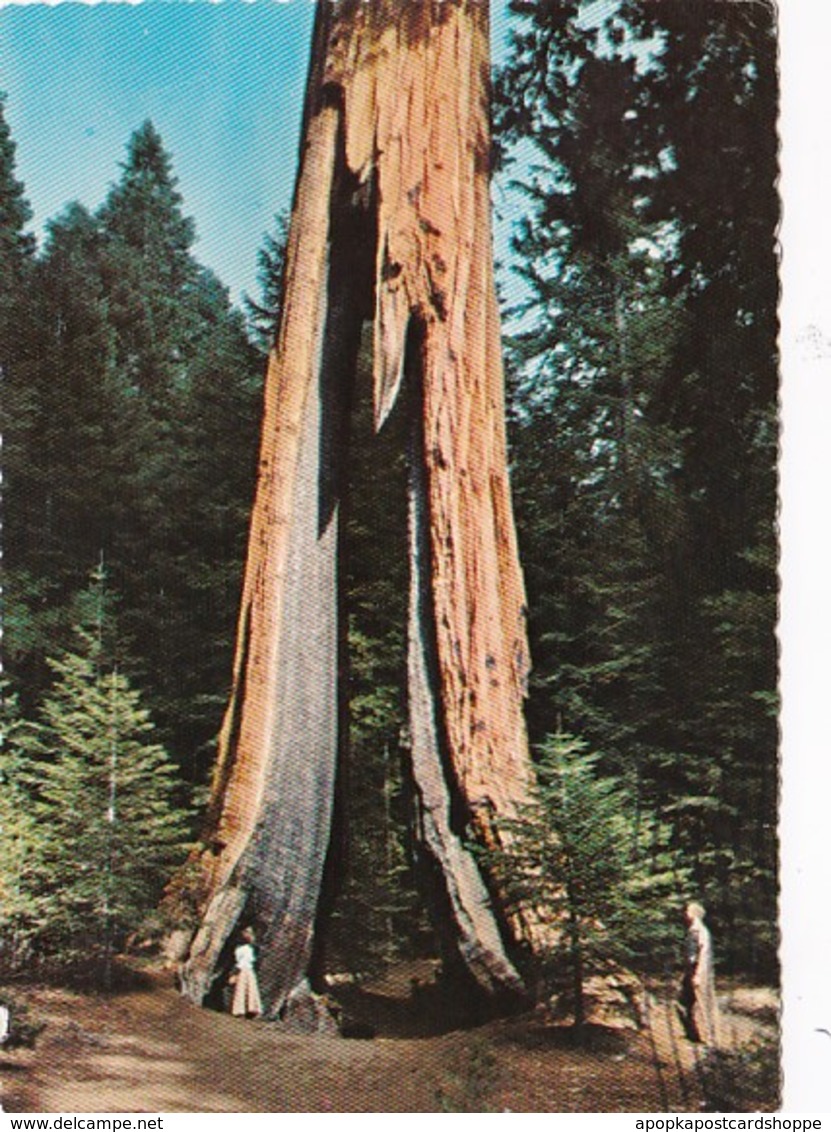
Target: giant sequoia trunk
{"points": [[391, 222]]}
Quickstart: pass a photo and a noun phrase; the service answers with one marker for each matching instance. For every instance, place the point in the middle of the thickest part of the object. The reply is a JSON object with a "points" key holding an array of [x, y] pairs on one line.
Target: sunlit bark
{"points": [[391, 221]]}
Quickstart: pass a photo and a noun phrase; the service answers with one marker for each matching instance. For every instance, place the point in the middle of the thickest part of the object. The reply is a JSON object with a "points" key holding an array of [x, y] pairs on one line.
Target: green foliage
{"points": [[103, 798], [21, 843], [138, 362], [264, 316], [595, 496], [597, 869], [642, 370], [147, 266], [196, 534], [378, 914], [18, 401], [63, 508], [16, 246]]}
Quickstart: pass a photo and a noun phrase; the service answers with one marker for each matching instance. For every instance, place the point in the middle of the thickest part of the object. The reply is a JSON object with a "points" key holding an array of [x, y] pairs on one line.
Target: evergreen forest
{"points": [[638, 160]]}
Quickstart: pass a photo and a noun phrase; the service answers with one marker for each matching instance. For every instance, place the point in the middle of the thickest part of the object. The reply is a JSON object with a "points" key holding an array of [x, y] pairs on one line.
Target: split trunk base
{"points": [[391, 223]]}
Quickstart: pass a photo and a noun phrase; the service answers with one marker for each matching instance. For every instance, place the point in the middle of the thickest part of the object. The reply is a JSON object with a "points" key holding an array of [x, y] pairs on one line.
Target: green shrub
{"points": [[598, 868]]}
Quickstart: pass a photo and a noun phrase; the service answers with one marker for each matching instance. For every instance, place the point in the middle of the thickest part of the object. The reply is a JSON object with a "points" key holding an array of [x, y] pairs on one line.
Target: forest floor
{"points": [[145, 1049]]}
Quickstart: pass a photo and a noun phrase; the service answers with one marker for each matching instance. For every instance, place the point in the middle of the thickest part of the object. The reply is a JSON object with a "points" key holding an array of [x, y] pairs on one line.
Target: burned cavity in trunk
{"points": [[391, 221]]}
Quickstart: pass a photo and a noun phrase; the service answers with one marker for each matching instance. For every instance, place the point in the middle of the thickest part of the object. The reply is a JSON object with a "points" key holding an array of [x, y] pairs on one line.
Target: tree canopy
{"points": [[644, 379]]}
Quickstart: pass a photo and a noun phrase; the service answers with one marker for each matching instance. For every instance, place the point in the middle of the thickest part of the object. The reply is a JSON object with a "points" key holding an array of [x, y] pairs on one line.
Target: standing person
{"points": [[246, 1000], [699, 1009]]}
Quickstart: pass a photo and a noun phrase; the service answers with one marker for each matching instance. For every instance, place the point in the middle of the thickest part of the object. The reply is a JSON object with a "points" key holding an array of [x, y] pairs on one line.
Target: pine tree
{"points": [[17, 403], [140, 364], [193, 583], [148, 267], [264, 315], [65, 511], [105, 806], [598, 868], [645, 417], [21, 842], [591, 344], [187, 445], [715, 81], [16, 245], [20, 400], [70, 501]]}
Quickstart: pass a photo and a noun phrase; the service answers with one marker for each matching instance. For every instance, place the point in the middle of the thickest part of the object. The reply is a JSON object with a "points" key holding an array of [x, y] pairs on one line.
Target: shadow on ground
{"points": [[145, 1049]]}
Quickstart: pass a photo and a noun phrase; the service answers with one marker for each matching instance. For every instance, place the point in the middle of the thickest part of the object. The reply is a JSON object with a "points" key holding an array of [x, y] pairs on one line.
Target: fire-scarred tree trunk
{"points": [[391, 222]]}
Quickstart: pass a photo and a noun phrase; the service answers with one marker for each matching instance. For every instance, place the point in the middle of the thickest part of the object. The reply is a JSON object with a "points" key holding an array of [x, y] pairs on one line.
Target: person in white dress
{"points": [[699, 1008], [246, 1002]]}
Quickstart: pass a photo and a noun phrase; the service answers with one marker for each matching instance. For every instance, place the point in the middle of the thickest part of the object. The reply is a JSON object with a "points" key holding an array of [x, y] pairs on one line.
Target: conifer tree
{"points": [[18, 397], [644, 429], [106, 807], [592, 345], [717, 82], [193, 582], [71, 500], [148, 267], [598, 868], [72, 494], [20, 842], [139, 364], [16, 245], [264, 313]]}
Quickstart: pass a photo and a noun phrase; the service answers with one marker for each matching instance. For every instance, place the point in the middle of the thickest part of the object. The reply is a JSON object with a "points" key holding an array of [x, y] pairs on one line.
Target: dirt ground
{"points": [[145, 1049]]}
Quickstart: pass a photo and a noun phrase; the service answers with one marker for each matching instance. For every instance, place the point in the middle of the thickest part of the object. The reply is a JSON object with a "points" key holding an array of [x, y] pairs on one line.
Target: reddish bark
{"points": [[395, 156]]}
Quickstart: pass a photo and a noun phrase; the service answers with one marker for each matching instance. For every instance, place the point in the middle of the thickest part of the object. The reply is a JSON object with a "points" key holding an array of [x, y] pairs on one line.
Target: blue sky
{"points": [[223, 83]]}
